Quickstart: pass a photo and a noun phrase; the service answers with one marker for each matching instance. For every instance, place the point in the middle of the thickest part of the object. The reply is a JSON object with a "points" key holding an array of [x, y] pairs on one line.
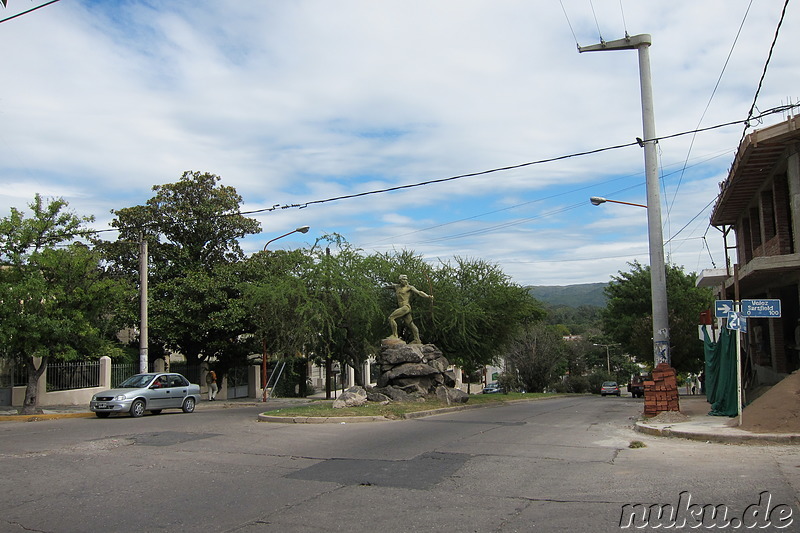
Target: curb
{"points": [[46, 416], [263, 417], [320, 419], [739, 438]]}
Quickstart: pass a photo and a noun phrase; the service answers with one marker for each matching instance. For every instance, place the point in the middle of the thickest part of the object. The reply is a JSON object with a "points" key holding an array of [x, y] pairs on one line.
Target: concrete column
{"points": [[254, 381], [105, 372], [793, 179], [367, 374], [351, 376], [459, 377]]}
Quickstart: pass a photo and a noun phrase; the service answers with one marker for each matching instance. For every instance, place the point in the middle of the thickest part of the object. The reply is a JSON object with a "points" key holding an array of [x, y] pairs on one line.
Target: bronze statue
{"points": [[404, 291]]}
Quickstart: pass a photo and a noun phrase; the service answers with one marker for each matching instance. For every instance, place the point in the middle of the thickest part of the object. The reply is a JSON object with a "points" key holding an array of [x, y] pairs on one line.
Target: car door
{"points": [[178, 389], [159, 396]]}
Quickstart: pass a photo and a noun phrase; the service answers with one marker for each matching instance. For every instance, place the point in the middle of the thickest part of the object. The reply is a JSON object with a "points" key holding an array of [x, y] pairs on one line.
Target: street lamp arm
{"points": [[301, 229], [597, 200]]}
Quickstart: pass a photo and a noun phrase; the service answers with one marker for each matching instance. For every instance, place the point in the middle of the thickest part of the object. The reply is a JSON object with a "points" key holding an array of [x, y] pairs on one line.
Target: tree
{"points": [[627, 318], [192, 227], [536, 358], [478, 309], [56, 303]]}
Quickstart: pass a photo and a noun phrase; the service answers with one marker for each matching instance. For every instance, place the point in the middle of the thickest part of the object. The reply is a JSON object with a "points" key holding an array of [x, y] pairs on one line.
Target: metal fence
{"points": [[73, 375], [77, 374], [122, 371]]}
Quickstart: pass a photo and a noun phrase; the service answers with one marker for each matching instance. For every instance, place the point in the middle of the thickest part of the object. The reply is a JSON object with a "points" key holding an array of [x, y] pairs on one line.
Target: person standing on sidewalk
{"points": [[211, 381]]}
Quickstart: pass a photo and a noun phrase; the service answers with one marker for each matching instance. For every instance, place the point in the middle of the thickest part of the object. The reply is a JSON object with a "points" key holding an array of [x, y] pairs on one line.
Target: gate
{"points": [[237, 382]]}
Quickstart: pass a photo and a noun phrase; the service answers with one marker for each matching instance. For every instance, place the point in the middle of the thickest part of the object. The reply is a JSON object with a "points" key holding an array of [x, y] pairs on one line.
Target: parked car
{"points": [[609, 387], [152, 392], [492, 388]]}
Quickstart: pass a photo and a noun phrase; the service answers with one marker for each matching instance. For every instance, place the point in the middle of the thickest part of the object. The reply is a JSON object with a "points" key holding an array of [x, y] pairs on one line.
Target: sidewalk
{"points": [[694, 423]]}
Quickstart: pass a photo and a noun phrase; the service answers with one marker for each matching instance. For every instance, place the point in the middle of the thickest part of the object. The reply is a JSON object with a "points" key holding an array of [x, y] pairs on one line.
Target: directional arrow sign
{"points": [[762, 308], [722, 308]]}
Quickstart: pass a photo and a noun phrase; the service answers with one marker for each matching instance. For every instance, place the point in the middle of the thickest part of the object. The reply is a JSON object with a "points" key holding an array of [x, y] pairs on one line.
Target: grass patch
{"points": [[395, 410], [637, 444]]}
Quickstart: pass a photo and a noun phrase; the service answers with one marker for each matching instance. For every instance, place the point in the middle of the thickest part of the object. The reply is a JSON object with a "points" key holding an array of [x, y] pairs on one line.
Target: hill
{"points": [[570, 295]]}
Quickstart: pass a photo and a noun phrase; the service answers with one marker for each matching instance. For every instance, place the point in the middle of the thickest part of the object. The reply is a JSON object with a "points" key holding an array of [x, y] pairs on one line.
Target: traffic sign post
{"points": [[737, 314]]}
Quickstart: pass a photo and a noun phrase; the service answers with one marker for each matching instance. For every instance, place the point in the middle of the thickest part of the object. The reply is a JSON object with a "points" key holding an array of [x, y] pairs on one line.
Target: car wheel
{"points": [[603, 395], [188, 405], [618, 394], [156, 411], [137, 408], [102, 415]]}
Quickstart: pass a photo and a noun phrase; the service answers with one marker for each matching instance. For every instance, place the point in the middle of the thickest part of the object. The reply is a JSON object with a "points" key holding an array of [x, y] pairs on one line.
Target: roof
{"points": [[758, 154]]}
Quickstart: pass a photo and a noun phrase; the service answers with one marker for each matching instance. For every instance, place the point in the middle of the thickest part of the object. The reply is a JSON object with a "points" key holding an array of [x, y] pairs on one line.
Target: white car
{"points": [[152, 392]]}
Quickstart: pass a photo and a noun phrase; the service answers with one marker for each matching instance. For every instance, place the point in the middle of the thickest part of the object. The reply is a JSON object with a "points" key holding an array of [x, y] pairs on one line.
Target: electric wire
{"points": [[764, 71], [28, 11], [304, 205], [710, 99]]}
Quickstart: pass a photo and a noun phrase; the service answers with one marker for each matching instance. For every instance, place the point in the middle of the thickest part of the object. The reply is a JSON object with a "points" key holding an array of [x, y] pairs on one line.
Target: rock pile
{"points": [[408, 372]]}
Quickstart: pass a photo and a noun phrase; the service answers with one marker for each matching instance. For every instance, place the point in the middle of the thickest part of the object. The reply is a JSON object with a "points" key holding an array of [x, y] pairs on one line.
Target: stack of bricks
{"points": [[661, 393]]}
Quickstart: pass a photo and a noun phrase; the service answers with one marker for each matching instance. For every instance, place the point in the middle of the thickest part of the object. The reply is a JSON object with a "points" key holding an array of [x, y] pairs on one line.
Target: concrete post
{"points": [[105, 372]]}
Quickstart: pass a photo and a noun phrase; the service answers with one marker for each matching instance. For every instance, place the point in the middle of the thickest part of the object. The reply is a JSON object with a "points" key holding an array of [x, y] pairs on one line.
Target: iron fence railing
{"points": [[122, 371], [73, 375]]}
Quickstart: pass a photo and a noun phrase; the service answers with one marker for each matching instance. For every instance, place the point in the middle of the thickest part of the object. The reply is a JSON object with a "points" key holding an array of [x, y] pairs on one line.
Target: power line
{"points": [[28, 11], [303, 205], [764, 71]]}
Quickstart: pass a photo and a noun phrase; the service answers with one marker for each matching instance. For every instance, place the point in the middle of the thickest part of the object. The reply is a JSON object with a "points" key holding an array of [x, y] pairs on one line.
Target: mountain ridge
{"points": [[570, 295]]}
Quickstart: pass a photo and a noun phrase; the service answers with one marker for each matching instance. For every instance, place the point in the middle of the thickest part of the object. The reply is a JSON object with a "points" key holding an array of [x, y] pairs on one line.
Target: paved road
{"points": [[552, 465]]}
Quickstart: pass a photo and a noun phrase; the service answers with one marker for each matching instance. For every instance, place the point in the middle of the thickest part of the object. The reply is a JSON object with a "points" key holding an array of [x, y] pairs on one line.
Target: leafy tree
{"points": [[192, 227], [537, 357], [627, 318], [56, 302], [478, 311]]}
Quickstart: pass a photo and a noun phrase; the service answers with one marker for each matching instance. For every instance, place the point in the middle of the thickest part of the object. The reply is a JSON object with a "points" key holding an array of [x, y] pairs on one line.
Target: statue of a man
{"points": [[404, 291]]}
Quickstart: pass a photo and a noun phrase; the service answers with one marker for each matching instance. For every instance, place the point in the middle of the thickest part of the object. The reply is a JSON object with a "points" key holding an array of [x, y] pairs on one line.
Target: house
{"points": [[758, 213]]}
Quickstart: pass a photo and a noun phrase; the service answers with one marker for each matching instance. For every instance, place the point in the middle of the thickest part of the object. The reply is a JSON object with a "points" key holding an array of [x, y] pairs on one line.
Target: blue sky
{"points": [[302, 101]]}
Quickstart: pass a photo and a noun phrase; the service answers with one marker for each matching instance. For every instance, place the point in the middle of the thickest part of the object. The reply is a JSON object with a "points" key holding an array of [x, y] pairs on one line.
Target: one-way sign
{"points": [[722, 308]]}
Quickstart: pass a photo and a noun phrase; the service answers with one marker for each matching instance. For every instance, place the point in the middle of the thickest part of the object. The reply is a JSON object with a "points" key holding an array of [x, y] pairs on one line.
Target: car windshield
{"points": [[136, 382], [609, 384]]}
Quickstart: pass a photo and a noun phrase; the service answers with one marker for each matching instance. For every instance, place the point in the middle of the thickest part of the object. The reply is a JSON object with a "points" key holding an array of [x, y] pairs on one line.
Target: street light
{"points": [[658, 277], [301, 229], [608, 355], [597, 200]]}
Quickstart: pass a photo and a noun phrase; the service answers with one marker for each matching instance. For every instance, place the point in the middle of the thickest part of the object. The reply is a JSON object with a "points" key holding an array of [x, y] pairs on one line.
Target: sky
{"points": [[298, 103]]}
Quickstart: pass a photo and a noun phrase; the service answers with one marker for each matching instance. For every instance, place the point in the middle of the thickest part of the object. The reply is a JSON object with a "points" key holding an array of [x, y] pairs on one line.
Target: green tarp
{"points": [[720, 378]]}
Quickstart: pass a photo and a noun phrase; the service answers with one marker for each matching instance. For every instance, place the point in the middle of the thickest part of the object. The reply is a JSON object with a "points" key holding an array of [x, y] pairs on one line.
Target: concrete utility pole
{"points": [[658, 281], [143, 336]]}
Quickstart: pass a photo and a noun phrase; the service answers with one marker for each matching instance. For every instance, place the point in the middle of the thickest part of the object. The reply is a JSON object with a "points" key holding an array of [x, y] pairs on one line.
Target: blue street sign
{"points": [[761, 308], [722, 308], [737, 322]]}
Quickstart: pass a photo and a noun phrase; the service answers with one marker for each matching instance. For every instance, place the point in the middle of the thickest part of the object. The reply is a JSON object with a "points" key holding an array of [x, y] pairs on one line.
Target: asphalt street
{"points": [[552, 465]]}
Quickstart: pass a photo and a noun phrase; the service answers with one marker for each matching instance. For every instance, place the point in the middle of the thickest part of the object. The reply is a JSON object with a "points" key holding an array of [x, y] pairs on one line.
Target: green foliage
{"points": [[57, 302], [192, 227], [537, 357], [478, 310], [628, 317]]}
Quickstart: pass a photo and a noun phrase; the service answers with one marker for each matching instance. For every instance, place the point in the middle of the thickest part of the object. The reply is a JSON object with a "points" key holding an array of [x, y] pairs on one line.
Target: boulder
{"points": [[352, 397], [450, 395]]}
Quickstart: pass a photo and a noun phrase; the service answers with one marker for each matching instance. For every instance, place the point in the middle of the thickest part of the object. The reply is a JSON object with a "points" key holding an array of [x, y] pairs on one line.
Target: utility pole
{"points": [[143, 336], [658, 281]]}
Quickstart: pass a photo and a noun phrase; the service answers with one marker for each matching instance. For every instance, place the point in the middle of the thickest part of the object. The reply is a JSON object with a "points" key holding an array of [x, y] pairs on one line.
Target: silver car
{"points": [[147, 392]]}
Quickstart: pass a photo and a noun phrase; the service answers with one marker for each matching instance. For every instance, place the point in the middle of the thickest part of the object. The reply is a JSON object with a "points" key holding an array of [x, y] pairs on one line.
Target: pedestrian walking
{"points": [[211, 381]]}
